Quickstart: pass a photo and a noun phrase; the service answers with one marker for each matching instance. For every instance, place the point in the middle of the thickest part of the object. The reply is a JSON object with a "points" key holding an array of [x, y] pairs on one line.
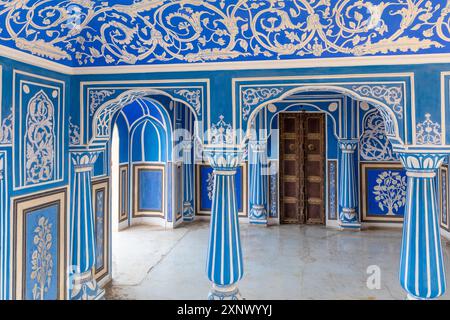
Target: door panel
{"points": [[302, 160], [290, 199], [315, 167]]}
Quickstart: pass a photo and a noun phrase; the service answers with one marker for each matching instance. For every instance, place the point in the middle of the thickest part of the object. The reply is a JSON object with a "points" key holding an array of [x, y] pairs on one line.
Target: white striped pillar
{"points": [[82, 242], [421, 265], [224, 265], [258, 183], [188, 179], [348, 196]]}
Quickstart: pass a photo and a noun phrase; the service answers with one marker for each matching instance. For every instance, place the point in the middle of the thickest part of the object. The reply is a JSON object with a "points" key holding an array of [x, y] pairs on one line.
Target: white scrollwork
{"points": [[97, 97], [6, 130], [148, 31], [39, 140], [41, 259], [428, 132], [374, 144], [210, 185], [99, 221], [221, 132], [392, 95], [390, 191], [251, 97], [74, 133], [192, 96]]}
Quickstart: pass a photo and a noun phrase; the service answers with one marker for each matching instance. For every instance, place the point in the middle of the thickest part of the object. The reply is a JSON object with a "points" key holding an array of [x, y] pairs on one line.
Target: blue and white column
{"points": [[421, 264], [188, 182], [82, 241], [348, 196], [258, 183], [224, 265]]}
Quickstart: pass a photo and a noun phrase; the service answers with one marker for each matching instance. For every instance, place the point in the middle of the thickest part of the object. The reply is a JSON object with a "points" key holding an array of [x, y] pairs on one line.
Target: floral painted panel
{"points": [[42, 245], [99, 228], [39, 134], [384, 188], [93, 33]]}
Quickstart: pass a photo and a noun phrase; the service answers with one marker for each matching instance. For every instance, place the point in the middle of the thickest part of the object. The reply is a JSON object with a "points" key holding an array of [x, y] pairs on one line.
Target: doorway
{"points": [[302, 168]]}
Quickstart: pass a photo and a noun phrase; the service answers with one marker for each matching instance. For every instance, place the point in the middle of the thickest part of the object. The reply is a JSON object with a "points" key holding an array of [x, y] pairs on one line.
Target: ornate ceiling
{"points": [[105, 33]]}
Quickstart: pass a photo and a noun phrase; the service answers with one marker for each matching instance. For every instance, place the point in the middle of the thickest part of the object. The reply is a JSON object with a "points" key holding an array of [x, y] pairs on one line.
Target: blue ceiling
{"points": [[105, 33]]}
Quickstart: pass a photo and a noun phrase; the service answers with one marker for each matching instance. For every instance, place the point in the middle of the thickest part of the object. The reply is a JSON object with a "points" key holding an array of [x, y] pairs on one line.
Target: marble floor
{"points": [[281, 262]]}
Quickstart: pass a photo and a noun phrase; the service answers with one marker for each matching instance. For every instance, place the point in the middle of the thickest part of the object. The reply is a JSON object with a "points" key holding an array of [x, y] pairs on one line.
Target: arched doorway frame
{"points": [[391, 122]]}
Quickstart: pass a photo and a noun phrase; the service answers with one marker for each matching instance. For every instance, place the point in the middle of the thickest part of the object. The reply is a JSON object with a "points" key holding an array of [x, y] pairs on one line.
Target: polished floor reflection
{"points": [[281, 262]]}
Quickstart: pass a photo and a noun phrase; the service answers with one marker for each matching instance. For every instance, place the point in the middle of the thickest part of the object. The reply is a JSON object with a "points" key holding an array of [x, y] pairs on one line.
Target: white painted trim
{"points": [[229, 65], [30, 59]]}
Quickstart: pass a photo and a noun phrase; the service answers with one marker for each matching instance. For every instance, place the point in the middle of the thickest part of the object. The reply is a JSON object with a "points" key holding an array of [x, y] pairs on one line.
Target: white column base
{"points": [[224, 293]]}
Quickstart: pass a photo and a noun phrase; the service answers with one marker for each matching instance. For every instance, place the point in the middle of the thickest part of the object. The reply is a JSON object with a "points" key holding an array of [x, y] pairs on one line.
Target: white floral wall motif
{"points": [[428, 132], [6, 130], [374, 145], [74, 133], [41, 259], [390, 191], [39, 139], [87, 33], [221, 132]]}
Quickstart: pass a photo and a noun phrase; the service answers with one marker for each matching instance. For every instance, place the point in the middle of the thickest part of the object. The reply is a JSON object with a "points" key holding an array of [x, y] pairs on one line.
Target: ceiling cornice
{"points": [[232, 65]]}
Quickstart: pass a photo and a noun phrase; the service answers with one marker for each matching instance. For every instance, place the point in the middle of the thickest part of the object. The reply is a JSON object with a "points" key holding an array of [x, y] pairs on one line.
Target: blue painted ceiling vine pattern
{"points": [[95, 33]]}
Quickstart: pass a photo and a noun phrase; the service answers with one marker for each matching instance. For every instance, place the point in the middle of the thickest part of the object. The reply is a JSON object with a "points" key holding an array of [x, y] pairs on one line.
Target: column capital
{"points": [[423, 162], [84, 160], [224, 160], [258, 146], [348, 145]]}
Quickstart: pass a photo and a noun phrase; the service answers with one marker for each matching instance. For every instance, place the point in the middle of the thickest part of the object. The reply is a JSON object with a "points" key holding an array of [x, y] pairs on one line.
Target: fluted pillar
{"points": [[82, 241], [258, 183], [348, 196], [188, 182], [224, 264], [421, 265]]}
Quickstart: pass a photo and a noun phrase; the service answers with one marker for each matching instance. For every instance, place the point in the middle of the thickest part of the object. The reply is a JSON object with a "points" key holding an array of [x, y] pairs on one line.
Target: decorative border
{"points": [[273, 191], [335, 202], [178, 183], [444, 210], [415, 59], [363, 194], [148, 213], [244, 181], [123, 215], [21, 207], [102, 185]]}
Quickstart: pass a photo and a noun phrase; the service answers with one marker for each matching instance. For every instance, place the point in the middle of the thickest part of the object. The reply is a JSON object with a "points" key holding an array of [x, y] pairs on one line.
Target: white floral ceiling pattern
{"points": [[127, 32]]}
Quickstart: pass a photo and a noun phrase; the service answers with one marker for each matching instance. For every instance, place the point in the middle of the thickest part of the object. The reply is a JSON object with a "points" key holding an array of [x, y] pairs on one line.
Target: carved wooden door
{"points": [[302, 163]]}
